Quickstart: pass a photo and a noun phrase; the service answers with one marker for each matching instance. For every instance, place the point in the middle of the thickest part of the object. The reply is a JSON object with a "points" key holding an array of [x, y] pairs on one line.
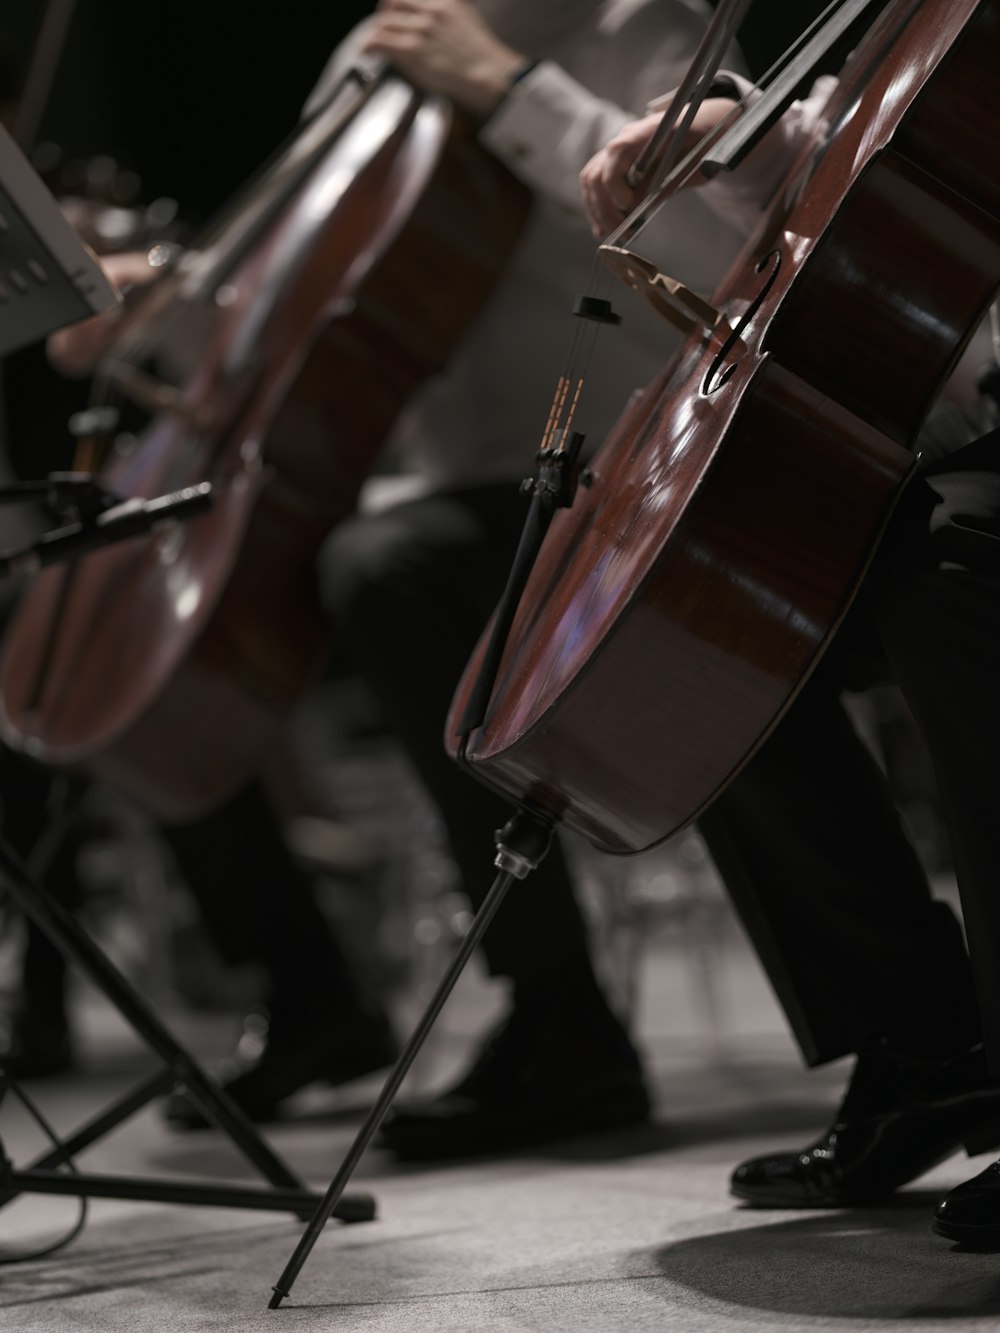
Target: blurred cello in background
{"points": [[680, 602], [271, 359]]}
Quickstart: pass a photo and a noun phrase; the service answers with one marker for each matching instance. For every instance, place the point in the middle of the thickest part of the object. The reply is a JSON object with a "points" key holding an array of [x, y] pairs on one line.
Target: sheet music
{"points": [[48, 277]]}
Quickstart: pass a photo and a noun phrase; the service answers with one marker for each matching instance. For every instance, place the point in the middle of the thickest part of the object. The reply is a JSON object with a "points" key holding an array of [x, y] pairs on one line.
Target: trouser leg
{"points": [[257, 904], [259, 907], [941, 626], [409, 591], [30, 801], [833, 896]]}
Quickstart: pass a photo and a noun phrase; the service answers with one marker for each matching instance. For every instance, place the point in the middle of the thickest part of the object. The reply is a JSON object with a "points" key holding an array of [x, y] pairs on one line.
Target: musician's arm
{"points": [[543, 123], [443, 46], [739, 195], [549, 124]]}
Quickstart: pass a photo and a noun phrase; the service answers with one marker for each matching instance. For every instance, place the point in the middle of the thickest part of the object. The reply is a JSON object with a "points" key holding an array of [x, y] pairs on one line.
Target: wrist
{"points": [[506, 74]]}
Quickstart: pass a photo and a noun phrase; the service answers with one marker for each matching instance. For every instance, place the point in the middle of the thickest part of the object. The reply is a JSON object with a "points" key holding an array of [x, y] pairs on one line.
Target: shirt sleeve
{"points": [[550, 124], [548, 128]]}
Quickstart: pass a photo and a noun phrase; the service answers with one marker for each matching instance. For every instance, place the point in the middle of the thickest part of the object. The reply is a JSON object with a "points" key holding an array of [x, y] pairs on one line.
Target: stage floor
{"points": [[626, 1232]]}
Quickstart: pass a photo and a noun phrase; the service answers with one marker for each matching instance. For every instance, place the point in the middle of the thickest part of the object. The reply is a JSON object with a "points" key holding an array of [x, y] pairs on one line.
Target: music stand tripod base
{"points": [[287, 1193]]}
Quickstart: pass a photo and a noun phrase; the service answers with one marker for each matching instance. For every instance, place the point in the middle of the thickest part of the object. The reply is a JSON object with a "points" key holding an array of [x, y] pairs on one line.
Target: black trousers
{"points": [[257, 904], [409, 591], [807, 838]]}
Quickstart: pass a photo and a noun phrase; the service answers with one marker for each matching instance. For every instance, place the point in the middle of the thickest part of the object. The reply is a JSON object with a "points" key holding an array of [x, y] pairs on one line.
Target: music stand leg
{"points": [[289, 1193]]}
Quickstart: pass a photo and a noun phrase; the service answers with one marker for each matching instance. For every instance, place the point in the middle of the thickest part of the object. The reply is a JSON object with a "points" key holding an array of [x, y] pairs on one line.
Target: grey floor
{"points": [[627, 1232]]}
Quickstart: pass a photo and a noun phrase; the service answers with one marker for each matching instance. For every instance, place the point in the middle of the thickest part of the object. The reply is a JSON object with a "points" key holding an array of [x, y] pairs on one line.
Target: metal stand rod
{"points": [[300, 1203], [66, 934], [157, 1085], [376, 1115]]}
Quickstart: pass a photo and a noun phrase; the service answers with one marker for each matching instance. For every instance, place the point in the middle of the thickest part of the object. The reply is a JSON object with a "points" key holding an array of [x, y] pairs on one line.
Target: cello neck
{"points": [[232, 235], [730, 150]]}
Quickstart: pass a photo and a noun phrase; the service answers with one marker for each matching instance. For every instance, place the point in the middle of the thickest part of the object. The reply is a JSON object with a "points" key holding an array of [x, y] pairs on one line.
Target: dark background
{"points": [[192, 94]]}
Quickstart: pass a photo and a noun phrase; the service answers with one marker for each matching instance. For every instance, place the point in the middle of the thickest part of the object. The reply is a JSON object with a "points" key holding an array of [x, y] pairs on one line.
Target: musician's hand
{"points": [[74, 351], [444, 46], [607, 195]]}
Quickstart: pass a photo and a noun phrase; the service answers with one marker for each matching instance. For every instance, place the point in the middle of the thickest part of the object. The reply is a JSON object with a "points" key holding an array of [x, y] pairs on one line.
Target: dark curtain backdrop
{"points": [[192, 95]]}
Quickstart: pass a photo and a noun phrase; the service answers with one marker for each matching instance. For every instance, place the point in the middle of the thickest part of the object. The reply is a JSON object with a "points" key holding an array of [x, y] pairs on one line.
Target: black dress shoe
{"points": [[900, 1117], [539, 1079], [970, 1214], [275, 1060]]}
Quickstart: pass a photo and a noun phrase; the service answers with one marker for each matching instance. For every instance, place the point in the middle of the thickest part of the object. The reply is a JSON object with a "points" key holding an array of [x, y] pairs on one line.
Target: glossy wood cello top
{"points": [[681, 602]]}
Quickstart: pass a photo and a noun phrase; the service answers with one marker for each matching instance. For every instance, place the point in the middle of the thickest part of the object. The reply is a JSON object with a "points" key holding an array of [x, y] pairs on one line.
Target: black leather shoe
{"points": [[274, 1061], [970, 1214], [537, 1080], [900, 1117]]}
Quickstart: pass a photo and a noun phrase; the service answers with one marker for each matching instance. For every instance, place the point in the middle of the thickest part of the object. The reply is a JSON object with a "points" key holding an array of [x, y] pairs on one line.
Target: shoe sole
{"points": [[972, 1238], [827, 1201]]}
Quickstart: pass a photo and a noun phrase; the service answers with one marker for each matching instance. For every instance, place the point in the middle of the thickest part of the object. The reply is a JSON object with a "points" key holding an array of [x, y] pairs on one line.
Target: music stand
{"points": [[49, 279]]}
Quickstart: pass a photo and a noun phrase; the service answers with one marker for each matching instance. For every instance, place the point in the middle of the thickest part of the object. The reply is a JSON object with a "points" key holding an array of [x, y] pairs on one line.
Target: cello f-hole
{"points": [[717, 376]]}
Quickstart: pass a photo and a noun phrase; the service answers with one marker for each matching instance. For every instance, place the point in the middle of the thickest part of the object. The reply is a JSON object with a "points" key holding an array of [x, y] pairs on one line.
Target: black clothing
{"points": [[258, 905], [900, 1117], [409, 591], [807, 838]]}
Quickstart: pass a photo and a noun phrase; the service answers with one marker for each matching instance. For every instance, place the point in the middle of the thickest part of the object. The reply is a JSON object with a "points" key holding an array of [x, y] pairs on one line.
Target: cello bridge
{"points": [[679, 305]]}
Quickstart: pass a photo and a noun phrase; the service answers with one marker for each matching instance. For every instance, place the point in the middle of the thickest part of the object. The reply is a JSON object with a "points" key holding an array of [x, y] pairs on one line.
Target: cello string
{"points": [[576, 365], [666, 142], [633, 224], [639, 218]]}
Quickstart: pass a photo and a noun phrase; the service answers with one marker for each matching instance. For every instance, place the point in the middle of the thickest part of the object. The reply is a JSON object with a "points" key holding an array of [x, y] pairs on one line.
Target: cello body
{"points": [[683, 599], [273, 361]]}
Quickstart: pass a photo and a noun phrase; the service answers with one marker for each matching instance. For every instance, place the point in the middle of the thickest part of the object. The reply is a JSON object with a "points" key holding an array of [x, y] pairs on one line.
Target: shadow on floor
{"points": [[873, 1263]]}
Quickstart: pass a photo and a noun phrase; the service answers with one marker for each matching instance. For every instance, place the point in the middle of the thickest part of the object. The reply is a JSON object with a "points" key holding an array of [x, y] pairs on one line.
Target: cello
{"points": [[680, 603], [271, 359], [695, 570]]}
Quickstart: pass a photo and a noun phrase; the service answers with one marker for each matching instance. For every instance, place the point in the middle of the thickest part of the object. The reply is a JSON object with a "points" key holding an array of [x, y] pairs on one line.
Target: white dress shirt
{"points": [[599, 65]]}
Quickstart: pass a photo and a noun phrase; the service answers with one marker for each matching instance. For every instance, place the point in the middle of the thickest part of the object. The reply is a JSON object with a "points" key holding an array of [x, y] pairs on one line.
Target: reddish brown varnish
{"points": [[680, 603], [175, 657]]}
